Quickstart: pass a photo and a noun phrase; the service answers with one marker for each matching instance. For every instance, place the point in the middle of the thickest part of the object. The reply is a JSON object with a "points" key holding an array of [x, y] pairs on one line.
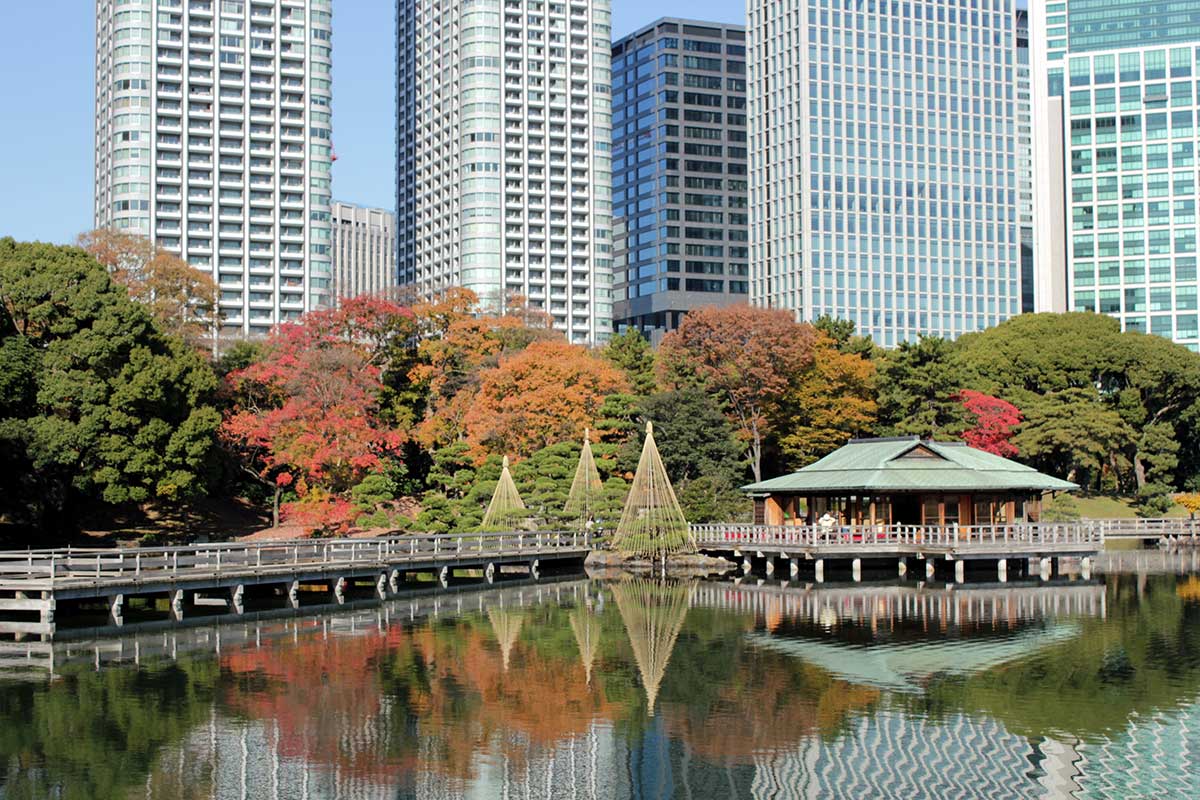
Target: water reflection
{"points": [[634, 689]]}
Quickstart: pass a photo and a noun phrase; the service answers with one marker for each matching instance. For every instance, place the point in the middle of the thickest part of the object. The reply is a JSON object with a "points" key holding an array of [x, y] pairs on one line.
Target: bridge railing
{"points": [[179, 562], [883, 536]]}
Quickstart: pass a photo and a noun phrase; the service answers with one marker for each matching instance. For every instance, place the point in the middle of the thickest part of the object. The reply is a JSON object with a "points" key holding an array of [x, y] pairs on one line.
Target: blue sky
{"points": [[46, 104]]}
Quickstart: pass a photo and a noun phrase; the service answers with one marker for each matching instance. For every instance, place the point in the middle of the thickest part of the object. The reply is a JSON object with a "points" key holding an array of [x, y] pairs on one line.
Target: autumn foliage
{"points": [[995, 422], [306, 415], [544, 394]]}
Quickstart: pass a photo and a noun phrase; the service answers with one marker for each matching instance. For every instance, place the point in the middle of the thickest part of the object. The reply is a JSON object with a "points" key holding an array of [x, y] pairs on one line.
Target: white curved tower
{"points": [[213, 137]]}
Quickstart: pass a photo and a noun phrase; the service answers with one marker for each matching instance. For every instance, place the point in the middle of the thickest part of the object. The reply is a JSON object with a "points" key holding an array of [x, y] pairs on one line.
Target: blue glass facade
{"points": [[884, 185], [679, 172]]}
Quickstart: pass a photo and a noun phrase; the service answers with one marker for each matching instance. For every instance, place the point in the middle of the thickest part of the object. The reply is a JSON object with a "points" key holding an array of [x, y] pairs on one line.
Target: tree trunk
{"points": [[275, 507], [756, 455], [1139, 471]]}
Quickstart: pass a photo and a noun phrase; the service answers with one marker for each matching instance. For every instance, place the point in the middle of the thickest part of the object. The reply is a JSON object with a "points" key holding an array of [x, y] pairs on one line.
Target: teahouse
{"points": [[905, 481]]}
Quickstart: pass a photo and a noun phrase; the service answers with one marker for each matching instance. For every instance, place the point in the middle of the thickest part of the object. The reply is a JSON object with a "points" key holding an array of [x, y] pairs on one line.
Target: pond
{"points": [[576, 688]]}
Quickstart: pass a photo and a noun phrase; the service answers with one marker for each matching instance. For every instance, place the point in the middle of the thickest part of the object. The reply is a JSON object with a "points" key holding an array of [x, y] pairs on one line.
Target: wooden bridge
{"points": [[795, 547], [36, 585]]}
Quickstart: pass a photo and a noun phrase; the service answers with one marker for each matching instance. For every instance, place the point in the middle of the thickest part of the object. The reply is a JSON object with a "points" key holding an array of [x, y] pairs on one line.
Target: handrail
{"points": [[280, 554], [953, 536]]}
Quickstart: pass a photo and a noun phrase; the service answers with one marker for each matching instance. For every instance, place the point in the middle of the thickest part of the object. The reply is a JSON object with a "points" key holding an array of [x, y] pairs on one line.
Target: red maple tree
{"points": [[306, 413], [995, 422]]}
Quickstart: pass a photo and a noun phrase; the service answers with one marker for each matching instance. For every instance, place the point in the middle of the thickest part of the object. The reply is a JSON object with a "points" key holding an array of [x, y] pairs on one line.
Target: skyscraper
{"points": [[504, 160], [1115, 87], [680, 221], [213, 138], [883, 174], [364, 250], [1025, 178]]}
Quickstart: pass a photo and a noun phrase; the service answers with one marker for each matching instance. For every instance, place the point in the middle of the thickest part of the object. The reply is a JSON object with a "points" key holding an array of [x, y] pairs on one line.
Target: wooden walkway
{"points": [[35, 584], [794, 545]]}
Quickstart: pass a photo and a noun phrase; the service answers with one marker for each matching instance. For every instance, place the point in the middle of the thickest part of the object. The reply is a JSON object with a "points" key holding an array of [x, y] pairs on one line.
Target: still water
{"points": [[635, 689]]}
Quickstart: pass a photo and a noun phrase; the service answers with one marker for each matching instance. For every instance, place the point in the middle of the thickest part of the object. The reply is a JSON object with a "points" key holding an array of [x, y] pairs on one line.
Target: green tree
{"points": [[917, 383], [694, 437], [631, 353], [1070, 433], [122, 413]]}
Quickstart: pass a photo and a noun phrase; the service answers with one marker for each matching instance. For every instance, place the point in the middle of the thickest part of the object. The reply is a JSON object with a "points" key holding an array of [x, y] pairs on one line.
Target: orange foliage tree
{"points": [[180, 297], [832, 401], [457, 345], [545, 394], [750, 357]]}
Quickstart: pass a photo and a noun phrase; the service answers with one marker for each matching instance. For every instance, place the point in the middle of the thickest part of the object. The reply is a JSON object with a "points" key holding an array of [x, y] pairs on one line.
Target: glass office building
{"points": [[680, 217], [1116, 86], [883, 174]]}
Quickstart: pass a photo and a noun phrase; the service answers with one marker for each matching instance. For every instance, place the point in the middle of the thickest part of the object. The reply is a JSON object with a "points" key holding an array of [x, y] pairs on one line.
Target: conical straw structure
{"points": [[506, 625], [506, 508], [586, 487], [652, 524], [586, 628], [653, 613]]}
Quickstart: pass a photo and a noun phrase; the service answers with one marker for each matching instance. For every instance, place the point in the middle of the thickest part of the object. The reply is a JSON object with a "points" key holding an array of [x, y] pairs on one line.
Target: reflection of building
{"points": [[905, 481]]}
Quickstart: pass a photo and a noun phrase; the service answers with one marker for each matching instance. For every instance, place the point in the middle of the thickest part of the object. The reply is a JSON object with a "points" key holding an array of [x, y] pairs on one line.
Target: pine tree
{"points": [[506, 510], [652, 524], [586, 486]]}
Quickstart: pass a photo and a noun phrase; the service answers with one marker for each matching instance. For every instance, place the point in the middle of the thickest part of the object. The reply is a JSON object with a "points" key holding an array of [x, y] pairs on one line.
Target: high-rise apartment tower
{"points": [[213, 138], [883, 166], [504, 159], [680, 217]]}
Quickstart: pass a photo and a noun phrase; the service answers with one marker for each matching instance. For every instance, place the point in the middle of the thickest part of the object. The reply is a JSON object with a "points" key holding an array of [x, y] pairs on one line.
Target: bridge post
{"points": [[747, 565], [793, 568], [1002, 570], [902, 568], [489, 572], [176, 598], [339, 591], [1085, 568], [770, 566], [535, 569], [47, 615], [960, 571], [235, 599], [856, 570], [930, 568], [394, 581], [294, 594], [444, 576], [116, 603], [819, 566], [381, 586], [1044, 568]]}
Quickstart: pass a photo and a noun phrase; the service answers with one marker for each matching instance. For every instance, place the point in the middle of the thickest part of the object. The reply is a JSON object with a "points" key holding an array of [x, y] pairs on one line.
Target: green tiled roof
{"points": [[891, 465]]}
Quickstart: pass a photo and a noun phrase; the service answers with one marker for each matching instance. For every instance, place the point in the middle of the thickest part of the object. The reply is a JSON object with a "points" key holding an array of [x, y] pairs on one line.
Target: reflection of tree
{"points": [[315, 689], [586, 628], [769, 702], [94, 735], [1144, 657], [506, 625], [653, 613]]}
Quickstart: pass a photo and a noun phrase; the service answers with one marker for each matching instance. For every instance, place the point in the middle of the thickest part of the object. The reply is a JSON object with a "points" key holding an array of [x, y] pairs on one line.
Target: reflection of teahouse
{"points": [[905, 481]]}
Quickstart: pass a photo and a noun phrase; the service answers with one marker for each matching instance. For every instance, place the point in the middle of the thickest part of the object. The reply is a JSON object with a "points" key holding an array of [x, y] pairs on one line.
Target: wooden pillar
{"points": [[960, 571], [176, 598], [856, 570], [930, 568], [294, 594], [339, 590], [1002, 570], [381, 586], [902, 568], [820, 570]]}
